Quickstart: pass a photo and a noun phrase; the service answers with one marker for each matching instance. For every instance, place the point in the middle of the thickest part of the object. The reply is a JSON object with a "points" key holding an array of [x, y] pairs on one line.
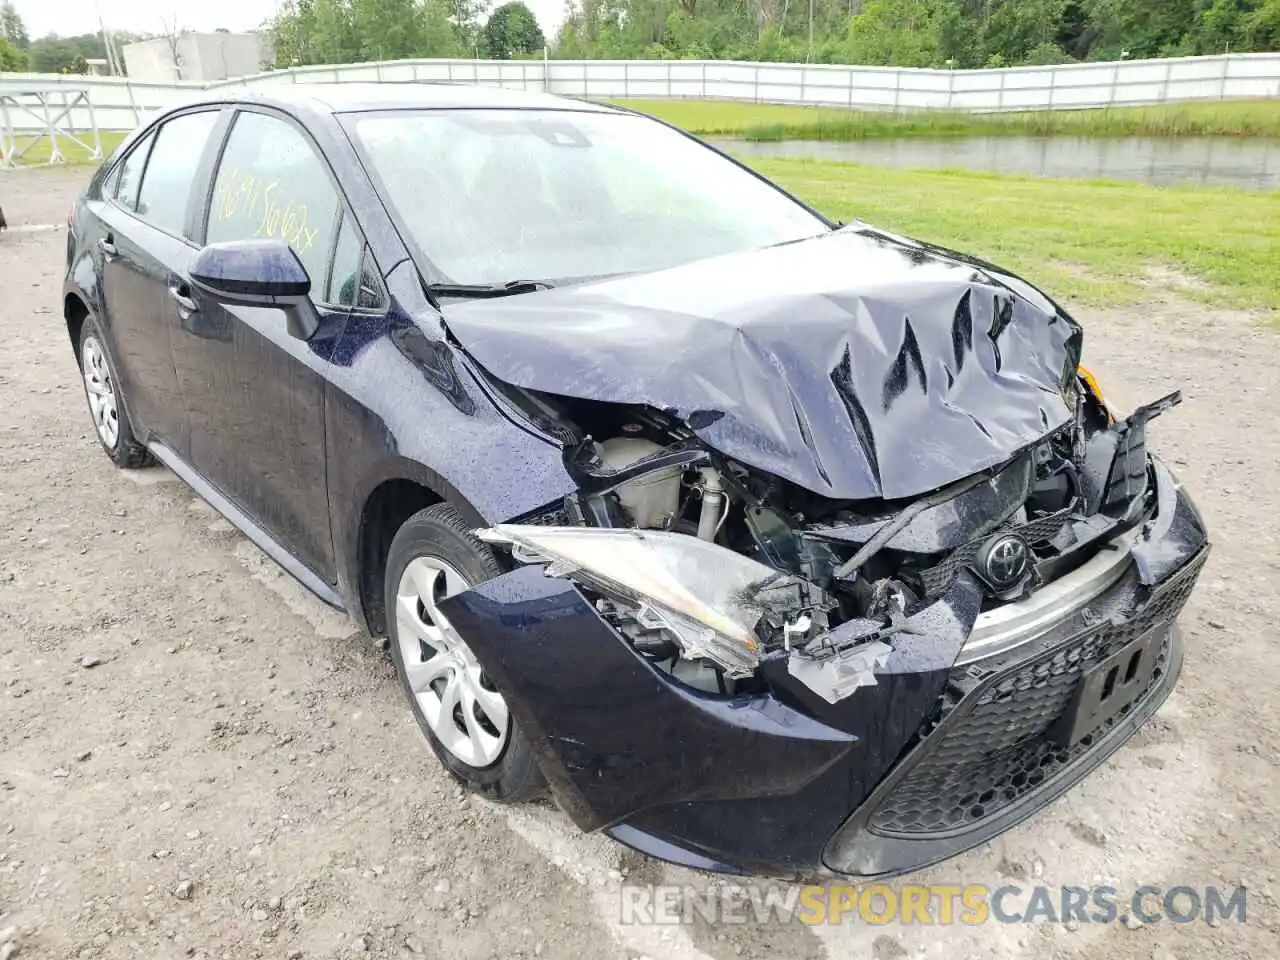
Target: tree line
{"points": [[321, 31], [916, 33], [912, 33], [352, 31], [51, 54]]}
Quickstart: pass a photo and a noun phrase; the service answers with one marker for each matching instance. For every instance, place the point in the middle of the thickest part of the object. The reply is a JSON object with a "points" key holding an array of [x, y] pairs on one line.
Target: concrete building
{"points": [[198, 56]]}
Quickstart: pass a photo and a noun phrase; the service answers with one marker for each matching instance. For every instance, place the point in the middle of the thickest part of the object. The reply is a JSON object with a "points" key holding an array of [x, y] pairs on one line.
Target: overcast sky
{"points": [[71, 17]]}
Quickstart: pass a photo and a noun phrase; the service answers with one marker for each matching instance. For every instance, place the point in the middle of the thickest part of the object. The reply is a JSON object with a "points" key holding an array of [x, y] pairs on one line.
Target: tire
{"points": [[107, 405], [435, 554]]}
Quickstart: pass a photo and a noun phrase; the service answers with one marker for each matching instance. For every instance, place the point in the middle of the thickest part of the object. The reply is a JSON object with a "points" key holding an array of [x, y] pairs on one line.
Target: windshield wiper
{"points": [[482, 290]]}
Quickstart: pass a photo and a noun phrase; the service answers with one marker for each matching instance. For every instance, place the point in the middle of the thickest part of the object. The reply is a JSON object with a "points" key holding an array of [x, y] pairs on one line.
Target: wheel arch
{"points": [[389, 503], [75, 311]]}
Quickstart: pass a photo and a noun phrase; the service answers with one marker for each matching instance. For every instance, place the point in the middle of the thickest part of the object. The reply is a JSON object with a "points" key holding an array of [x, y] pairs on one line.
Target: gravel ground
{"points": [[198, 759]]}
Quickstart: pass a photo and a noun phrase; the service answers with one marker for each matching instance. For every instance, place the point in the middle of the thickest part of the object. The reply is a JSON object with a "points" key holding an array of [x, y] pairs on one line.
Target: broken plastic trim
{"points": [[834, 678], [947, 525], [903, 519], [710, 598]]}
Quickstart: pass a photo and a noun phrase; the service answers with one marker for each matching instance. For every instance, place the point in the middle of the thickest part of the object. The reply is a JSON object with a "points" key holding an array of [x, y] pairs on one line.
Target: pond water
{"points": [[1201, 161]]}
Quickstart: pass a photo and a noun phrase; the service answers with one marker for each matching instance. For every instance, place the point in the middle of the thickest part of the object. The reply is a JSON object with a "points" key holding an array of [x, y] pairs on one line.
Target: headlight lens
{"points": [[711, 599]]}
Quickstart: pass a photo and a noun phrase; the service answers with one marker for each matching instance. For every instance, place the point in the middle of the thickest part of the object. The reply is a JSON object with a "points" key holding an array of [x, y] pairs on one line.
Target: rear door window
{"points": [[169, 181], [271, 184]]}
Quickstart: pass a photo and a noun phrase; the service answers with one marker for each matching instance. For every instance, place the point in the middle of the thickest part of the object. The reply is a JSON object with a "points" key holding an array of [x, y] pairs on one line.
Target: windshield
{"points": [[493, 196]]}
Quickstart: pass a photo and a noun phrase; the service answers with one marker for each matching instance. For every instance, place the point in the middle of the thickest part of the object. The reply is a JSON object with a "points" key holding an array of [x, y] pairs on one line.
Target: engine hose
{"points": [[713, 502]]}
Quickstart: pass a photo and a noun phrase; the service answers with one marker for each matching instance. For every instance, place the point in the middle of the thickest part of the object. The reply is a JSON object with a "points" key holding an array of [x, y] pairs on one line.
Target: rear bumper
{"points": [[944, 751]]}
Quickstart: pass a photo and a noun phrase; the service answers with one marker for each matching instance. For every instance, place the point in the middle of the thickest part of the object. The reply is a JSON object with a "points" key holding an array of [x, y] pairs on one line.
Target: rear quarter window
{"points": [[124, 181]]}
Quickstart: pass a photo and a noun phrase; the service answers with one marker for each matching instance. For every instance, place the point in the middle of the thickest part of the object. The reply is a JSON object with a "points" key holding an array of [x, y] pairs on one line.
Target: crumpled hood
{"points": [[855, 364]]}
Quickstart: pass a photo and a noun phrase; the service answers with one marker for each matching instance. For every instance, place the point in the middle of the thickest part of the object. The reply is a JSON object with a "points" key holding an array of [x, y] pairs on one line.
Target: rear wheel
{"points": [[461, 713], [106, 404]]}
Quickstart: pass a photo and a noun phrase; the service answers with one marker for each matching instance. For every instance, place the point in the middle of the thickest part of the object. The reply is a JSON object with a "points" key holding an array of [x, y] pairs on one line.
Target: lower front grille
{"points": [[997, 742]]}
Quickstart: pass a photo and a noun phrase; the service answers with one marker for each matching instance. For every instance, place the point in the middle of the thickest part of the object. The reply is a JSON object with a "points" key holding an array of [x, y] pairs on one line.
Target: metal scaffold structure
{"points": [[55, 110]]}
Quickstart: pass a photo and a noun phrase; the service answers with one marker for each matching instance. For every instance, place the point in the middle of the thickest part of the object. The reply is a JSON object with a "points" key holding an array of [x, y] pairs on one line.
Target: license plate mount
{"points": [[1110, 688]]}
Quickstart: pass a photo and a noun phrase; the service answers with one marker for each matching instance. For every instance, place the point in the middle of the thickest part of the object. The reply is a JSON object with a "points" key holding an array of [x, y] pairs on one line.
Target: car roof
{"points": [[354, 97]]}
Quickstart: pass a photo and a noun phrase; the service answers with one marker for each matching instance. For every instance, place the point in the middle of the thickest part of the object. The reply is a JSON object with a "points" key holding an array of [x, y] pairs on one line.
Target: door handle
{"points": [[108, 248], [186, 306]]}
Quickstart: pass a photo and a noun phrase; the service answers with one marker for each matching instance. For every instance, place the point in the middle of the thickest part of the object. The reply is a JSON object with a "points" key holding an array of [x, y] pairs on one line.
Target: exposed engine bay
{"points": [[845, 520], [733, 564]]}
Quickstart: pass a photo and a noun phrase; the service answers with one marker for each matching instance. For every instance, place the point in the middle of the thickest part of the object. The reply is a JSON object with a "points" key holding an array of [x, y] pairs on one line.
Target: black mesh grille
{"points": [[937, 579], [1043, 528], [996, 741], [553, 516]]}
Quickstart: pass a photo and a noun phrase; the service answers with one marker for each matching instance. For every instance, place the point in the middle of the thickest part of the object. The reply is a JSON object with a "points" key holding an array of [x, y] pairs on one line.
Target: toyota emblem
{"points": [[1003, 561]]}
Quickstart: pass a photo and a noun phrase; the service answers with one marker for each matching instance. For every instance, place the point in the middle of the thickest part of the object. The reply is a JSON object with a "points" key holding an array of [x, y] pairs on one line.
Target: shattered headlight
{"points": [[712, 600], [1095, 390]]}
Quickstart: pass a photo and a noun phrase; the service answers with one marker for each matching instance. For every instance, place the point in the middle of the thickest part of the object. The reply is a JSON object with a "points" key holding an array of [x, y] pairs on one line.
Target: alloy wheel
{"points": [[101, 392], [459, 703]]}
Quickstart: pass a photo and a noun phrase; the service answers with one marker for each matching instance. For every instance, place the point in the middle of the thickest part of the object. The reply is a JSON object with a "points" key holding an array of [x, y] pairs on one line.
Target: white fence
{"points": [[120, 103]]}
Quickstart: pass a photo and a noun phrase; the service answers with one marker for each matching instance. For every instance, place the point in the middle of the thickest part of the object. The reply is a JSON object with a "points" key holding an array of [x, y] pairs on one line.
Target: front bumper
{"points": [[955, 742], [993, 757]]}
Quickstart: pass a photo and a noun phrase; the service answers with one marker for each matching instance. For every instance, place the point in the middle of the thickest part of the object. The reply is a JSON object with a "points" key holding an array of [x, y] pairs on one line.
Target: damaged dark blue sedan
{"points": [[767, 544]]}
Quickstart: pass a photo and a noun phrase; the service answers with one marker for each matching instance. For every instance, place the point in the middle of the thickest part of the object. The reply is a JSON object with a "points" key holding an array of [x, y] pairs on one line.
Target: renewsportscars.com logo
{"points": [[931, 904]]}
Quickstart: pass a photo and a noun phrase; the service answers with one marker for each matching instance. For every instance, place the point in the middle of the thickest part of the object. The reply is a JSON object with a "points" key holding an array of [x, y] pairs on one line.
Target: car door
{"points": [[254, 393], [143, 244]]}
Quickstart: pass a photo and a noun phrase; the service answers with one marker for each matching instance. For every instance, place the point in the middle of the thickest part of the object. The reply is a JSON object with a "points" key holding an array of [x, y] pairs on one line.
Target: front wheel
{"points": [[461, 713]]}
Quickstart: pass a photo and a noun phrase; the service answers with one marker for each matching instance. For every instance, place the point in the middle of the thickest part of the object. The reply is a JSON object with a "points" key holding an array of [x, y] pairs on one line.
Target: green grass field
{"points": [[762, 121], [39, 153], [1089, 241]]}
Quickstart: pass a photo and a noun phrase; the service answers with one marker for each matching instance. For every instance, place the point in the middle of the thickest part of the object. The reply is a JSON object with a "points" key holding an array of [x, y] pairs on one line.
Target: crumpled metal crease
{"points": [[855, 364]]}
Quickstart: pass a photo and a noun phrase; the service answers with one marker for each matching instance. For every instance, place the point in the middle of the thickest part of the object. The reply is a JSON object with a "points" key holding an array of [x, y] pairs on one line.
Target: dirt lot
{"points": [[234, 735]]}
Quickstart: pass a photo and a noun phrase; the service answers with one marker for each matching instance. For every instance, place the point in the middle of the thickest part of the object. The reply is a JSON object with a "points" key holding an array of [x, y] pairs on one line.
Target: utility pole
{"points": [[808, 57], [113, 63]]}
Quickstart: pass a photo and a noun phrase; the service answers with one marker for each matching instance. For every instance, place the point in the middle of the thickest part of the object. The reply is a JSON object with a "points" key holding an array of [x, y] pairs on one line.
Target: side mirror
{"points": [[258, 273]]}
